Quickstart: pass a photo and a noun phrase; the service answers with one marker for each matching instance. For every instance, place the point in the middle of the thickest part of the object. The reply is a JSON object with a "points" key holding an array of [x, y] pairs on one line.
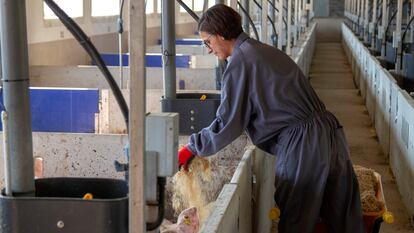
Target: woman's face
{"points": [[216, 44]]}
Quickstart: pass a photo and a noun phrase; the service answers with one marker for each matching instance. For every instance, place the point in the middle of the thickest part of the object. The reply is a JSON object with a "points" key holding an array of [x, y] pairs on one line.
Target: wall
{"points": [[392, 111]]}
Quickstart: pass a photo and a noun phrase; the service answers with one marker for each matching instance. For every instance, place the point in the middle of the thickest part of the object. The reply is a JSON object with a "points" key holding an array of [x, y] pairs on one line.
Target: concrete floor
{"points": [[331, 77]]}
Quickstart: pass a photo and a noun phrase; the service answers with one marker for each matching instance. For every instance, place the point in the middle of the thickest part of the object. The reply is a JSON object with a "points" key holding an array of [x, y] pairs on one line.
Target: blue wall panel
{"points": [[186, 41], [63, 110], [152, 60]]}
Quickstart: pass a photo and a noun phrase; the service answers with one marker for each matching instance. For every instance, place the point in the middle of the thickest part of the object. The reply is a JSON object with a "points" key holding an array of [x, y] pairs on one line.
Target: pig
{"points": [[187, 222]]}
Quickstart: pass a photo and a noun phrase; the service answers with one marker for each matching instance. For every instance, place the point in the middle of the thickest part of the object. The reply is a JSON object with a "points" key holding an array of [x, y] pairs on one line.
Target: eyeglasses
{"points": [[206, 42]]}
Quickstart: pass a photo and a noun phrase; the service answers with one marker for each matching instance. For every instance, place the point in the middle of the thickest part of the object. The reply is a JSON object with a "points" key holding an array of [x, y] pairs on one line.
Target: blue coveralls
{"points": [[266, 94]]}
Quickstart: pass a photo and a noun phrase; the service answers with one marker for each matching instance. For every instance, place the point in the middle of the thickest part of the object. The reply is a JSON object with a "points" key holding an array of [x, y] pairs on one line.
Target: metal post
{"points": [[412, 24], [16, 94], [295, 23], [289, 24], [168, 48], [397, 36], [383, 25], [366, 20], [280, 25], [137, 38], [220, 64], [373, 21], [264, 33], [246, 26], [233, 4]]}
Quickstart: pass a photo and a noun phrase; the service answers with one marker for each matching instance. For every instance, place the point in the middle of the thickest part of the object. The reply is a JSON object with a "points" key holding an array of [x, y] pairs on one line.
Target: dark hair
{"points": [[221, 20]]}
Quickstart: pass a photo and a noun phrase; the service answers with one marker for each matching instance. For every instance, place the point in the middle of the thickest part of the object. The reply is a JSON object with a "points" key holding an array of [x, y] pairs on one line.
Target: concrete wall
{"points": [[390, 108], [91, 77]]}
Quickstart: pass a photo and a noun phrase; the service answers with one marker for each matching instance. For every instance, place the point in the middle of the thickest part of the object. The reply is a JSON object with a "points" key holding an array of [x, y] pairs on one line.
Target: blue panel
{"points": [[63, 110], [152, 60], [112, 59], [190, 41]]}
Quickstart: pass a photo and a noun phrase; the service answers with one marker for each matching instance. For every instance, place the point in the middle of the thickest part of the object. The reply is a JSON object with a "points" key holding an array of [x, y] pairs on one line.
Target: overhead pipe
{"points": [[168, 48], [15, 75]]}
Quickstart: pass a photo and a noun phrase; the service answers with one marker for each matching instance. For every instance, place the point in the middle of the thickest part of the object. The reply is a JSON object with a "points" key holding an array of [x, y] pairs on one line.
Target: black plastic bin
{"points": [[59, 207], [195, 112]]}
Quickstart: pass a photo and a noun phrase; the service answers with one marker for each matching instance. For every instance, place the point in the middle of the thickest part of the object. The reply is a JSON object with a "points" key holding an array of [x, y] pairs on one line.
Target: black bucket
{"points": [[59, 207]]}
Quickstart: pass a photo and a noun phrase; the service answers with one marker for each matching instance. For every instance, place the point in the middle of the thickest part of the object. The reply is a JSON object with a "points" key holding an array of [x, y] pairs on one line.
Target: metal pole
{"points": [[295, 28], [383, 25], [412, 24], [6, 154], [137, 41], [366, 20], [289, 23], [16, 95], [220, 64], [280, 25], [246, 26], [371, 26], [265, 10], [397, 36], [168, 48]]}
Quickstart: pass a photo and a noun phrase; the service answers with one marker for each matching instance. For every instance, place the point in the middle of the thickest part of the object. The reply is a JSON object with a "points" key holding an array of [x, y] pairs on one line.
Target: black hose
{"points": [[277, 10], [403, 36], [189, 11], [160, 216], [250, 20], [268, 17], [93, 53]]}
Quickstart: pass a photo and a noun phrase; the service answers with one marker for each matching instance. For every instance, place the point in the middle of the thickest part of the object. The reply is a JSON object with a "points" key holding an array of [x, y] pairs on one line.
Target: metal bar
{"points": [[397, 36], [381, 35], [264, 31], [168, 48], [295, 23], [137, 41], [366, 20], [280, 25], [16, 94], [373, 19], [250, 20], [289, 24], [6, 154], [412, 25]]}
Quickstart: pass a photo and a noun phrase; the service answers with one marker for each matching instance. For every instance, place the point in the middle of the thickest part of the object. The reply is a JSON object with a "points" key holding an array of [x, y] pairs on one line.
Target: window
{"points": [[159, 6], [73, 8], [149, 7], [189, 3], [198, 5], [105, 8]]}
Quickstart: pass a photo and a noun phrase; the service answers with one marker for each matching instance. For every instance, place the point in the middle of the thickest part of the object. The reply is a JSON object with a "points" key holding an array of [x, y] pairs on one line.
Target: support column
{"points": [[264, 31], [383, 25], [397, 43], [372, 24], [289, 26], [168, 48], [280, 25], [15, 73], [137, 38], [246, 25]]}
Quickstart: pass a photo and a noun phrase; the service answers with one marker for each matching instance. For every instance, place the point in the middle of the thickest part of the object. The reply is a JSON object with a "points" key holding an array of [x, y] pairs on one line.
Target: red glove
{"points": [[184, 158]]}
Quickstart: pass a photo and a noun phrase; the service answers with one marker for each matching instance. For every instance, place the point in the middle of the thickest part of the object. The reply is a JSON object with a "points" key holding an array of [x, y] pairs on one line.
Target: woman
{"points": [[265, 94]]}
